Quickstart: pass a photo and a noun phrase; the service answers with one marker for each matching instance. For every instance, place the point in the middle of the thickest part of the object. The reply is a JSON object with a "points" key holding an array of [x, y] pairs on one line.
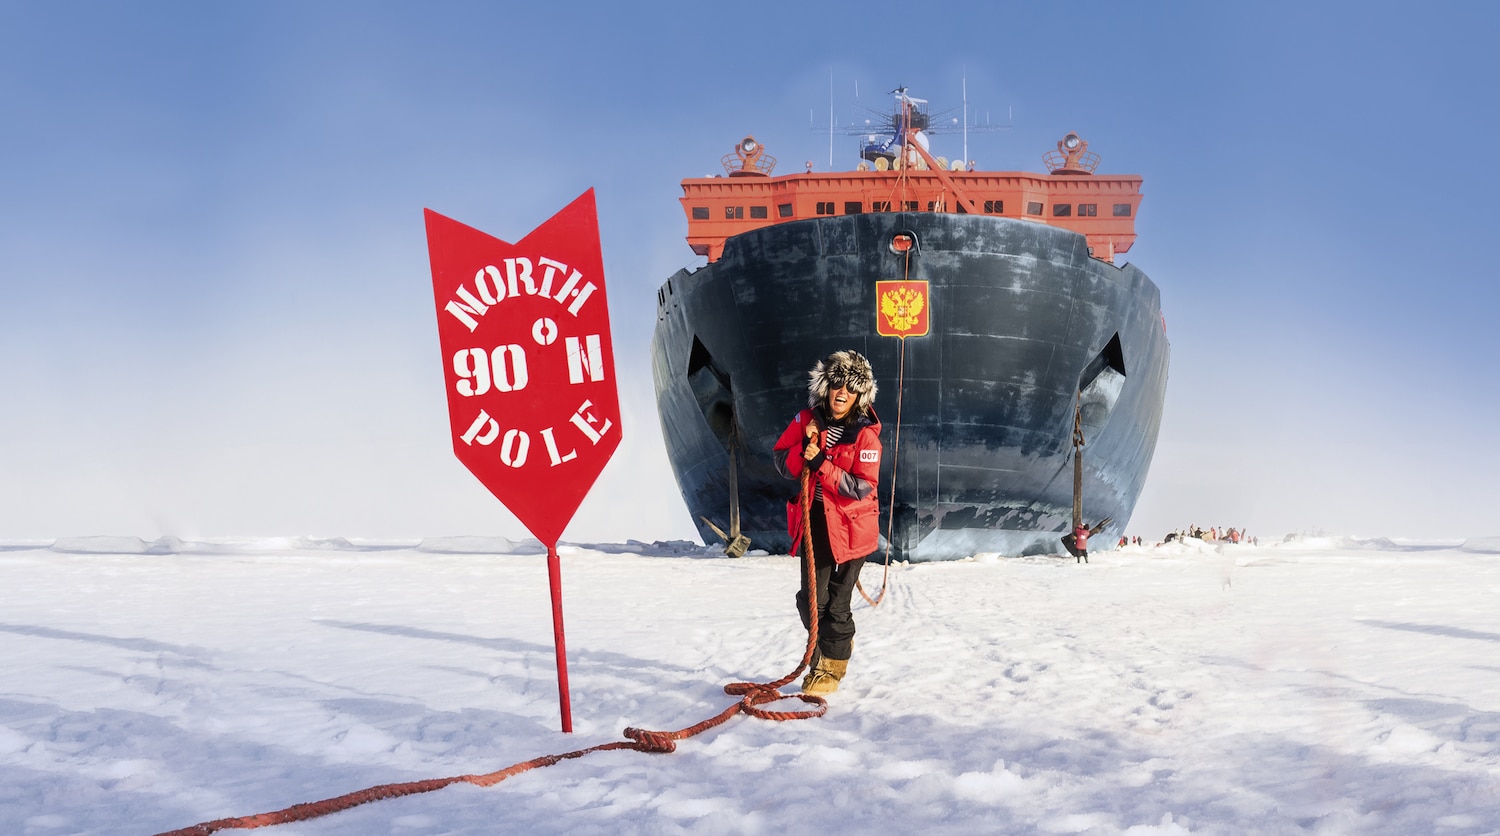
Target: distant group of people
{"points": [[1214, 534]]}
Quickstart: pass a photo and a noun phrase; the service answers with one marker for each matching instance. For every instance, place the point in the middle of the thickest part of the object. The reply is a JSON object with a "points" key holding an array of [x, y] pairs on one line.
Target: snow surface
{"points": [[1318, 685]]}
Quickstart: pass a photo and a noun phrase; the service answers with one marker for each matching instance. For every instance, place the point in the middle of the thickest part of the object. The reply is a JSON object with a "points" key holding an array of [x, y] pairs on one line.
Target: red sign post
{"points": [[529, 369]]}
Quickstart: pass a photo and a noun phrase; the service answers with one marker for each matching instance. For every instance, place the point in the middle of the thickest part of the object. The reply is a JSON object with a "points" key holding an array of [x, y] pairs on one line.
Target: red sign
{"points": [[903, 309], [528, 362]]}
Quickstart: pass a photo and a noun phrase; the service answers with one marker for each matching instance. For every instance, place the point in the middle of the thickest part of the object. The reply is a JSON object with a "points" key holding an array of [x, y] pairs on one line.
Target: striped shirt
{"points": [[835, 432]]}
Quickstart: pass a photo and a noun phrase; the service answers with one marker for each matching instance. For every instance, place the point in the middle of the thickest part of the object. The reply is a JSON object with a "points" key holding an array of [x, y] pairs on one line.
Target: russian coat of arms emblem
{"points": [[903, 309]]}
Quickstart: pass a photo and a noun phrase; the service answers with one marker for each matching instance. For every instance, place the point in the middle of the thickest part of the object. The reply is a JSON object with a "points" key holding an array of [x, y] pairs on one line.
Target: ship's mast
{"points": [[960, 196], [830, 118]]}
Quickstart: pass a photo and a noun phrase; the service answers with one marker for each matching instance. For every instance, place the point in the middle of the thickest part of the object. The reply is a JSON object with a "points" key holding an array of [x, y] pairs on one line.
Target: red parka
{"points": [[1081, 537], [849, 475]]}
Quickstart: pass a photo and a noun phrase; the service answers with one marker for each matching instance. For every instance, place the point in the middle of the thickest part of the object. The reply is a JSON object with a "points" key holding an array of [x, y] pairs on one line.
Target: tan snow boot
{"points": [[812, 667], [825, 677]]}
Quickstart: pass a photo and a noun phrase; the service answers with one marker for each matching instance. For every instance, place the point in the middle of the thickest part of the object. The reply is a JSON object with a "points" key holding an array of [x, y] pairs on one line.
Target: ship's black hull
{"points": [[1021, 318]]}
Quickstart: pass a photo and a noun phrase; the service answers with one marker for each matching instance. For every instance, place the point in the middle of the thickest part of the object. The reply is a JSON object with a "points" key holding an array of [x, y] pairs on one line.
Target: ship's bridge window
{"points": [[1062, 210], [994, 207], [759, 212], [1033, 208], [825, 207], [1088, 210], [734, 213], [880, 206], [1122, 210], [909, 205], [783, 210], [700, 213], [853, 207]]}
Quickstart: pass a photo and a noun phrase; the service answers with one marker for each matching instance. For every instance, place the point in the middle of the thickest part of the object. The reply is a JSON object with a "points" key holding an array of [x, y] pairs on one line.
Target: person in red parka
{"points": [[837, 437], [1081, 543]]}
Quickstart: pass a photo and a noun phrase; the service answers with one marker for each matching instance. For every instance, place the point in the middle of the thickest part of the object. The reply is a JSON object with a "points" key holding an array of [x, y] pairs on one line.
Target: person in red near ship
{"points": [[1080, 543], [837, 437]]}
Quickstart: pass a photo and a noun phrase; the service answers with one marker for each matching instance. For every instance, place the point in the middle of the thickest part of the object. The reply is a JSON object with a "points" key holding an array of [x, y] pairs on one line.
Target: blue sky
{"points": [[214, 307]]}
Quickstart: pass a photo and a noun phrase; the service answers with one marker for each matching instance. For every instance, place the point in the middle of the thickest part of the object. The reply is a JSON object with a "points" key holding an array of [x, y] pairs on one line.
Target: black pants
{"points": [[835, 584]]}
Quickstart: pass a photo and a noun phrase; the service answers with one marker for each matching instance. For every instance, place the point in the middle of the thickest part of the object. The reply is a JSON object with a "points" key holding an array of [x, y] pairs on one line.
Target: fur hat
{"points": [[848, 366]]}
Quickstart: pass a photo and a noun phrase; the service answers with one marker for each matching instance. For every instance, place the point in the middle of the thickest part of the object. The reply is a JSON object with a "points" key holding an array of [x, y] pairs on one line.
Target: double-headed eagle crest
{"points": [[902, 307]]}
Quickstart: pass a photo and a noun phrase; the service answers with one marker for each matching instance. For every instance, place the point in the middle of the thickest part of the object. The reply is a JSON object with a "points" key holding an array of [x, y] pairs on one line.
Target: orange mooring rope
{"points": [[752, 696], [890, 522]]}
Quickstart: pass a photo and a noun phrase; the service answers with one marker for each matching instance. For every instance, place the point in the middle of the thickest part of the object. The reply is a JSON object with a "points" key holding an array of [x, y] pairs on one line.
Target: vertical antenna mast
{"points": [[830, 118], [966, 119]]}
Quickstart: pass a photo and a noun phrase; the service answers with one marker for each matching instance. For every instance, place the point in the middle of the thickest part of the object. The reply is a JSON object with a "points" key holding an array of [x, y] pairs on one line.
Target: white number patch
{"points": [[869, 455]]}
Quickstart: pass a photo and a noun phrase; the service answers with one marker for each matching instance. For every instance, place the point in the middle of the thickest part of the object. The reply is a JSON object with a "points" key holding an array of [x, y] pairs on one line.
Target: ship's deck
{"points": [[1100, 206]]}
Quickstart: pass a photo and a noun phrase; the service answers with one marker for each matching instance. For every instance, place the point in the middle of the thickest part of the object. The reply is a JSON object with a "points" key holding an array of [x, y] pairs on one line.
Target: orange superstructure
{"points": [[1101, 206]]}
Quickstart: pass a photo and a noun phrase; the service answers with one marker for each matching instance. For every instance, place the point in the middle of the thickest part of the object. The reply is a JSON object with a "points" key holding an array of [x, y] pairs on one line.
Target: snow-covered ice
{"points": [[1319, 685]]}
